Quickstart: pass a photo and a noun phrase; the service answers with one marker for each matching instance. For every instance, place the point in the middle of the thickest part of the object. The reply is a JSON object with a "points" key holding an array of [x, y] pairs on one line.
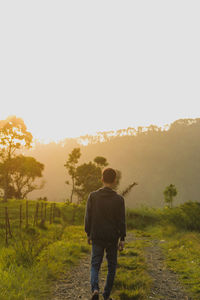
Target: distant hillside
{"points": [[151, 156]]}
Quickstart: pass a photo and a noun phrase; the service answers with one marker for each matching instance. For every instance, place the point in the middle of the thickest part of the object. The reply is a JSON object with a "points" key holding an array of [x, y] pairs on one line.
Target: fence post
{"points": [[6, 228], [8, 223], [36, 214], [54, 210], [51, 211], [20, 216], [26, 213], [45, 211], [41, 217]]}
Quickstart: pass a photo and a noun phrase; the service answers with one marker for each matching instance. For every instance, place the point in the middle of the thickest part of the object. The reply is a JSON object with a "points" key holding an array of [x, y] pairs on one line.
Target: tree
{"points": [[13, 136], [88, 179], [169, 193], [101, 162], [71, 166], [24, 172]]}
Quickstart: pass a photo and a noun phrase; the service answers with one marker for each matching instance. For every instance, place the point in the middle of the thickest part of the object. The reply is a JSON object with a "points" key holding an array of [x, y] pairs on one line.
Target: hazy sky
{"points": [[75, 67]]}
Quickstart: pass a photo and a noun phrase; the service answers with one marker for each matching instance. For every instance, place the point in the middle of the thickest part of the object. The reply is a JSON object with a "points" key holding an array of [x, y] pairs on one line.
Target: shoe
{"points": [[95, 296]]}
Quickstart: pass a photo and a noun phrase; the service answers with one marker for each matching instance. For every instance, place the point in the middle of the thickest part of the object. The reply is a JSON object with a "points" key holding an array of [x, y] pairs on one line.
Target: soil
{"points": [[166, 286], [76, 284]]}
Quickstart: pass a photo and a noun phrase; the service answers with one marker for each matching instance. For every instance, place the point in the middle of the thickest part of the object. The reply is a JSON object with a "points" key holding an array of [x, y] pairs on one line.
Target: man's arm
{"points": [[88, 216], [122, 221]]}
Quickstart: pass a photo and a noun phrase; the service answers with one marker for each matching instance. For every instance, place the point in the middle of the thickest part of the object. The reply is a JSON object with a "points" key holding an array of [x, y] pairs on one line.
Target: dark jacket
{"points": [[105, 216]]}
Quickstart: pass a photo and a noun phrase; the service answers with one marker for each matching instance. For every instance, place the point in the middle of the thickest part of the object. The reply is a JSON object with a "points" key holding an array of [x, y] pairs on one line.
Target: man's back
{"points": [[105, 216]]}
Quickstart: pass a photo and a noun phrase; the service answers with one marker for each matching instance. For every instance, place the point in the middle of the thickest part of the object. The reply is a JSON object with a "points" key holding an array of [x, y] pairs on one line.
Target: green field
{"points": [[38, 254]]}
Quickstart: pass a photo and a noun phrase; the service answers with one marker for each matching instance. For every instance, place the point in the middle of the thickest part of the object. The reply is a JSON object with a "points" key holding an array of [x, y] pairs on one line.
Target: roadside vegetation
{"points": [[36, 256], [179, 230]]}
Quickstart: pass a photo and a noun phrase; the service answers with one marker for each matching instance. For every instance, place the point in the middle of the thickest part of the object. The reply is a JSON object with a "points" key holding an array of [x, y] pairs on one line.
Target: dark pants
{"points": [[97, 257]]}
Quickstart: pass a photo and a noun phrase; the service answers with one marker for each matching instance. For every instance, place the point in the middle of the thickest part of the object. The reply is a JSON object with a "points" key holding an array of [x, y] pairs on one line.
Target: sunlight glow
{"points": [[82, 68]]}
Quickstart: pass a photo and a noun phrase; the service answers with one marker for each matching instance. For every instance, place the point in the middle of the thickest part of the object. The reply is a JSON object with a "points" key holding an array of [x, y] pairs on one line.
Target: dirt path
{"points": [[76, 284], [166, 285]]}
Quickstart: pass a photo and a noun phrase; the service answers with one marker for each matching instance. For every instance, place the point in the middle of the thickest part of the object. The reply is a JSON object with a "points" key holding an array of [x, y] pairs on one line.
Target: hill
{"points": [[154, 157]]}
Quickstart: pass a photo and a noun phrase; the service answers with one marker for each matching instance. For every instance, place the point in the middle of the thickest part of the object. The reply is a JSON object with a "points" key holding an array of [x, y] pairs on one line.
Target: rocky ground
{"points": [[76, 285]]}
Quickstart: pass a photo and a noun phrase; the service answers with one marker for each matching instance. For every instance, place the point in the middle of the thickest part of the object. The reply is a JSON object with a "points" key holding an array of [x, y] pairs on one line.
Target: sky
{"points": [[69, 68]]}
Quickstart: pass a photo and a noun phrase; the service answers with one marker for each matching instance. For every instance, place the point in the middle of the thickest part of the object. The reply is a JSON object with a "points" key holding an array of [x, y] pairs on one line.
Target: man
{"points": [[106, 230]]}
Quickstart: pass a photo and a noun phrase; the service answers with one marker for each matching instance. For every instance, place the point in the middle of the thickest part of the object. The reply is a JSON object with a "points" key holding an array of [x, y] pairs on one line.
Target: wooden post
{"points": [[26, 213], [8, 223], [54, 211], [20, 216], [41, 217], [45, 211], [36, 214], [6, 228], [51, 212]]}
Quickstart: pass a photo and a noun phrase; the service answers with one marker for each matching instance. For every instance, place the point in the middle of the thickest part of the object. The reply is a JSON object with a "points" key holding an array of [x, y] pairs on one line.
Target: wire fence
{"points": [[24, 215]]}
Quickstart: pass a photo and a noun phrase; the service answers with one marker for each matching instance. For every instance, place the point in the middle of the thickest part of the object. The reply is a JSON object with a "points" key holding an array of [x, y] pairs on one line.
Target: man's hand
{"points": [[89, 241], [121, 245]]}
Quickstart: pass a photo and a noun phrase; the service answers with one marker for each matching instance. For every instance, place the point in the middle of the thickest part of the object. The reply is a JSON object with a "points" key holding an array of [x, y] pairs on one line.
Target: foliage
{"points": [[28, 271], [23, 172], [101, 161], [169, 193], [71, 166], [13, 136], [182, 256], [184, 217], [88, 179]]}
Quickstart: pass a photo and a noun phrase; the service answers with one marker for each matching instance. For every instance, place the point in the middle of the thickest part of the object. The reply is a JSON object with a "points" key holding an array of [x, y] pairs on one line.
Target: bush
{"points": [[184, 217], [141, 218]]}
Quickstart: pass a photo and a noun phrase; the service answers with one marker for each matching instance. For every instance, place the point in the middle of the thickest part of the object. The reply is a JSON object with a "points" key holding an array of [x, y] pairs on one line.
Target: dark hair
{"points": [[109, 175]]}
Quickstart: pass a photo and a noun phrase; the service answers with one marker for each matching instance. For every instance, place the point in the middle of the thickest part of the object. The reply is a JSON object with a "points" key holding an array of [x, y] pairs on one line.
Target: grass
{"points": [[36, 256], [27, 273], [179, 229], [182, 253], [132, 280]]}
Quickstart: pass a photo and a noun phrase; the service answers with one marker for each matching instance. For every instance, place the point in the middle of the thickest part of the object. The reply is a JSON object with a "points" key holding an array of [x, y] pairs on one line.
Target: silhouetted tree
{"points": [[88, 179], [169, 193], [101, 161], [13, 136], [71, 166], [24, 170]]}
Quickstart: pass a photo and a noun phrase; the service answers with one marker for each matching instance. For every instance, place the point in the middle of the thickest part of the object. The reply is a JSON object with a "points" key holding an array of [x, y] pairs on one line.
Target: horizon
{"points": [[162, 126], [95, 133]]}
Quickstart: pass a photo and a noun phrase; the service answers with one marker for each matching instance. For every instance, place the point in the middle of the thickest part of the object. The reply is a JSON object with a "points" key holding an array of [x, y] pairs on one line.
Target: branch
{"points": [[127, 190]]}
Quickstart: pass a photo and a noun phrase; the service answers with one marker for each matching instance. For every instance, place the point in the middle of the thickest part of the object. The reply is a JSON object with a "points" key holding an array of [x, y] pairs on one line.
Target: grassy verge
{"points": [[182, 253], [28, 271], [179, 229], [132, 281]]}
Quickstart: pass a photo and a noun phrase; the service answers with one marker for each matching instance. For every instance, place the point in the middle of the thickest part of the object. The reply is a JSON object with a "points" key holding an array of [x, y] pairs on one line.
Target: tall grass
{"points": [[184, 217], [28, 270], [37, 255]]}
